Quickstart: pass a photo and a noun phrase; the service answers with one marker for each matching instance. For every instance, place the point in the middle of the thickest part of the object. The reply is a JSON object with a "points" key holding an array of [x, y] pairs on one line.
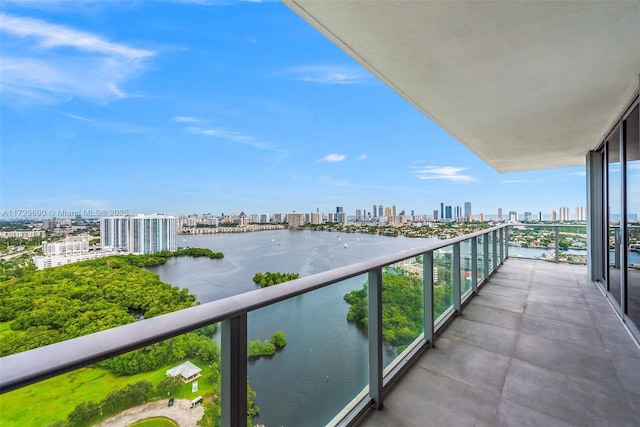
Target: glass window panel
{"points": [[614, 205], [633, 216]]}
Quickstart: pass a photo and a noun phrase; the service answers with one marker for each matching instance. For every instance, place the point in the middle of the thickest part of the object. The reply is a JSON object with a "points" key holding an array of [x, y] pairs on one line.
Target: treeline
{"points": [[88, 413], [159, 258], [190, 345], [402, 307], [56, 304], [256, 348], [270, 279]]}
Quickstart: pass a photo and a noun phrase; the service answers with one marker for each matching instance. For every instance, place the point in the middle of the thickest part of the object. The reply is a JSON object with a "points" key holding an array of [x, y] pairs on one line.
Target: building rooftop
{"points": [[539, 345]]}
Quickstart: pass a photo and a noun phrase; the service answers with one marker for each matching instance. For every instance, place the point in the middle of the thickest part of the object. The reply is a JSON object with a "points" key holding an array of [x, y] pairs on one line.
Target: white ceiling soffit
{"points": [[524, 85]]}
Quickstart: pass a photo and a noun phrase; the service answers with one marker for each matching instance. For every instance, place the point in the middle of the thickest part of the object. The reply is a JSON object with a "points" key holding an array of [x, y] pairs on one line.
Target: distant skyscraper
{"points": [[540, 216], [387, 211], [412, 213], [467, 209], [339, 209], [581, 213], [435, 214], [380, 210], [513, 216], [341, 217], [458, 213], [527, 216], [358, 215], [442, 210], [447, 212], [375, 211], [393, 210], [499, 214], [331, 217], [564, 214], [553, 216]]}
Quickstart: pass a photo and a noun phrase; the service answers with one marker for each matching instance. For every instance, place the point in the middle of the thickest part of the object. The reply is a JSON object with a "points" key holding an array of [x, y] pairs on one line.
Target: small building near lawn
{"points": [[187, 371]]}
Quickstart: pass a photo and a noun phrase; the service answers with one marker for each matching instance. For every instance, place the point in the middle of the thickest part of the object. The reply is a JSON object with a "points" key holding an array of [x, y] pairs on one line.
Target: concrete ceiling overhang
{"points": [[524, 85]]}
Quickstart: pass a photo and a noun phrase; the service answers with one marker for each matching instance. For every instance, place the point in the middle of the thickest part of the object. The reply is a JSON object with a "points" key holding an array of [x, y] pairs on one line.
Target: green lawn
{"points": [[155, 422], [56, 397]]}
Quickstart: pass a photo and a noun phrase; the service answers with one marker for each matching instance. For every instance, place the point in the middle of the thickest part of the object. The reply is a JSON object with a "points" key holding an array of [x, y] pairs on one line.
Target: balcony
{"points": [[517, 342], [539, 345]]}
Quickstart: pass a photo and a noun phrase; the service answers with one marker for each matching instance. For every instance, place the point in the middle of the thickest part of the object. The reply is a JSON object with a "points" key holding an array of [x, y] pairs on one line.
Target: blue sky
{"points": [[206, 106]]}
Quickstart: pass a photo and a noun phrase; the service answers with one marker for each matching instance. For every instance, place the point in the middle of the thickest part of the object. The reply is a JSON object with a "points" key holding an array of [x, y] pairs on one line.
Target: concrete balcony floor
{"points": [[538, 346]]}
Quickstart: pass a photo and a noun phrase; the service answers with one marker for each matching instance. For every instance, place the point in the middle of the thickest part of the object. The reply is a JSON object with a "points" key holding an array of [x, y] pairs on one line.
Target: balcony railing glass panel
{"points": [[402, 305], [324, 362], [443, 282], [182, 368], [480, 257]]}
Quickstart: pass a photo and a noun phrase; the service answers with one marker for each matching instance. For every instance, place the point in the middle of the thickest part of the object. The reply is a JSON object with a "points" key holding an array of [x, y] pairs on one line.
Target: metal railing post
{"points": [[485, 255], [501, 249], [557, 234], [474, 265], [506, 242], [234, 371], [427, 281], [494, 257], [456, 285], [375, 337]]}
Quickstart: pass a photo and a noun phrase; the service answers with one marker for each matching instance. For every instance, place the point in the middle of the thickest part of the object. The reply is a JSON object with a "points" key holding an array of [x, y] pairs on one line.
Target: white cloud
{"points": [[48, 63], [230, 135], [327, 74], [185, 119], [581, 173], [334, 157], [112, 126], [447, 173], [363, 157], [513, 181]]}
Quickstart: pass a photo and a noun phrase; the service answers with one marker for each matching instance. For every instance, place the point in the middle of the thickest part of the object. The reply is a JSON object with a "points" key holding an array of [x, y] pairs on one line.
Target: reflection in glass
{"points": [[614, 205], [633, 213]]}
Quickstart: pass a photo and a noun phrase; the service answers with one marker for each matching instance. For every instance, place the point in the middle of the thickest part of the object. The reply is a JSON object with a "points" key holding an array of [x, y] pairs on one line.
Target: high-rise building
{"points": [[141, 234], [380, 210], [435, 214], [553, 216], [316, 218], [528, 217], [458, 212], [358, 215], [393, 210], [499, 214], [375, 212], [513, 216], [442, 210], [447, 212], [564, 214], [467, 209], [540, 216], [387, 211], [339, 209], [341, 217], [581, 213], [331, 217], [295, 220]]}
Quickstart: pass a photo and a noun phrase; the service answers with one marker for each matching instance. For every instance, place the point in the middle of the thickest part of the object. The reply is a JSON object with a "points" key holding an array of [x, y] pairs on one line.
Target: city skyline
{"points": [[181, 107]]}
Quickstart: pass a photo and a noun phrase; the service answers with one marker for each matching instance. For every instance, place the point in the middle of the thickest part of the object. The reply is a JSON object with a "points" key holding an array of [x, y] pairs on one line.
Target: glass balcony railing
{"points": [[549, 242], [399, 303]]}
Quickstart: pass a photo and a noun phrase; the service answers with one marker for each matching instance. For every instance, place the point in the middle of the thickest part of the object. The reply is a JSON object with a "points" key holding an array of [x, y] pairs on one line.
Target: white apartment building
{"points": [[140, 234], [73, 245]]}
